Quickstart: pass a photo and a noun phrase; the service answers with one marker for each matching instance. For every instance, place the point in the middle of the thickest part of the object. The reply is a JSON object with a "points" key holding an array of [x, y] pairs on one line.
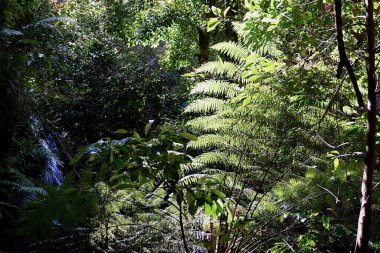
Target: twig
{"points": [[331, 100], [332, 194], [182, 229], [287, 244], [331, 146]]}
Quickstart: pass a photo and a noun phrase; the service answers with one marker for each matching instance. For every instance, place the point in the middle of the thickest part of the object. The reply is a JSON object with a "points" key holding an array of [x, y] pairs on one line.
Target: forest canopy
{"points": [[203, 126]]}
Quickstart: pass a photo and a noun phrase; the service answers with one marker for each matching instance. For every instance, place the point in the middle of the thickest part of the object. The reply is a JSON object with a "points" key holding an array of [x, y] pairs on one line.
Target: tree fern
{"points": [[240, 141]]}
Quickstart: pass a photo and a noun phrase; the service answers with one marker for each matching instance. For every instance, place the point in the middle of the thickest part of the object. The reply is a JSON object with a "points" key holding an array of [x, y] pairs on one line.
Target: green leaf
{"points": [[230, 214], [212, 24], [188, 75], [113, 178], [147, 126], [336, 163], [136, 135], [326, 222], [219, 193], [91, 158], [208, 209], [220, 205], [189, 136], [246, 101], [226, 11], [121, 131], [217, 11]]}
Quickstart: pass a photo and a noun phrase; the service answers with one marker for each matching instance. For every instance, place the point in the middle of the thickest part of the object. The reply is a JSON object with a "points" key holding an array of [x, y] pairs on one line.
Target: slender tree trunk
{"points": [[364, 223], [212, 236], [344, 61], [204, 36], [230, 33], [203, 45], [182, 227]]}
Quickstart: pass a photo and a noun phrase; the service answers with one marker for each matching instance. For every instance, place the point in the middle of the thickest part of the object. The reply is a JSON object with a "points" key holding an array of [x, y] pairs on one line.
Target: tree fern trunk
{"points": [[203, 45], [230, 33], [364, 223]]}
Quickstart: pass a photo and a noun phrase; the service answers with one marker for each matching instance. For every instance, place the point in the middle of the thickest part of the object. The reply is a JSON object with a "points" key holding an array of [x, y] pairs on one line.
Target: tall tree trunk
{"points": [[231, 35], [212, 236], [364, 223], [344, 61], [203, 45], [204, 36]]}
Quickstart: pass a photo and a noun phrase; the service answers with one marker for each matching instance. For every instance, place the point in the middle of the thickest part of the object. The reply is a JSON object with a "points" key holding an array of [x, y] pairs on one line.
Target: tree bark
{"points": [[364, 222], [344, 61], [203, 45], [231, 35], [204, 36], [182, 227]]}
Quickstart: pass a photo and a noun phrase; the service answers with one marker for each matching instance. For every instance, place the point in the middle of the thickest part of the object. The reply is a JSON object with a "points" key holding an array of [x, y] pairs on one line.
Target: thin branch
{"points": [[287, 244], [331, 146], [332, 194], [182, 228], [331, 100]]}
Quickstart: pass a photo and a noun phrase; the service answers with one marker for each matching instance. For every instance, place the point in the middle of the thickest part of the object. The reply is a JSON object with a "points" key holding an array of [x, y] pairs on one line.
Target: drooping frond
{"points": [[269, 49], [216, 88], [206, 105], [233, 50], [191, 179], [239, 28], [234, 160], [210, 123], [219, 141], [220, 68]]}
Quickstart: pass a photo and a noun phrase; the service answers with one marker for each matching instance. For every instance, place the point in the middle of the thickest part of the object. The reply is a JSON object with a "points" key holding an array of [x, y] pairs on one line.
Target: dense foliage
{"points": [[189, 126]]}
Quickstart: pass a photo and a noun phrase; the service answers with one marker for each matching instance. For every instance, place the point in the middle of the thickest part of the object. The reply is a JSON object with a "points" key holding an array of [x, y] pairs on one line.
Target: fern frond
{"points": [[213, 157], [269, 49], [210, 123], [220, 68], [216, 88], [206, 105], [232, 50], [220, 141], [234, 160], [239, 28], [24, 189], [191, 179]]}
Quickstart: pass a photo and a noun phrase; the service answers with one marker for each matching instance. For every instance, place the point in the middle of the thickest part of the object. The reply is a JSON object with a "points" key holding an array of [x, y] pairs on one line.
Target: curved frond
{"points": [[191, 179], [216, 88], [220, 68], [210, 123], [233, 50], [206, 105]]}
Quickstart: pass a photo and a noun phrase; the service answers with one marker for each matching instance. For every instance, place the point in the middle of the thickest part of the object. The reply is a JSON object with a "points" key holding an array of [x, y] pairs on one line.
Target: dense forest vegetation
{"points": [[208, 126]]}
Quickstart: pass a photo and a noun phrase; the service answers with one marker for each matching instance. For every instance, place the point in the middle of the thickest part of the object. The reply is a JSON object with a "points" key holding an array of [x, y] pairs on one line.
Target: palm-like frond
{"points": [[233, 50], [220, 68], [206, 105], [216, 88]]}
